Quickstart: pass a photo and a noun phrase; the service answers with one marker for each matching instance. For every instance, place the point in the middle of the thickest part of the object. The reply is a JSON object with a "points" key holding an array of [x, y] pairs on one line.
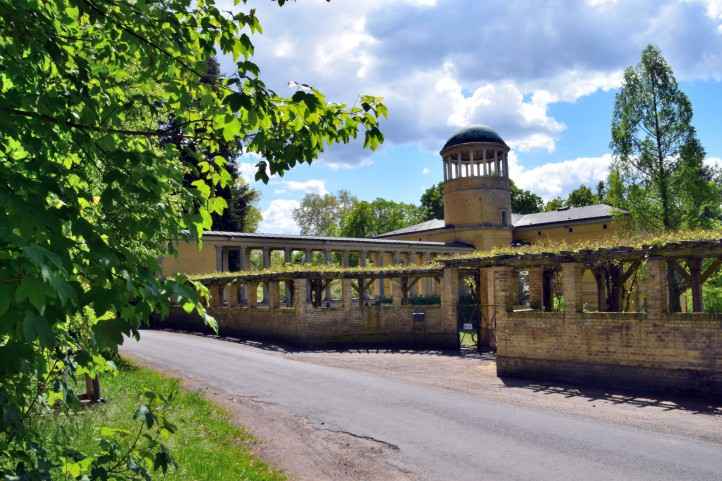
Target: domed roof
{"points": [[477, 133]]}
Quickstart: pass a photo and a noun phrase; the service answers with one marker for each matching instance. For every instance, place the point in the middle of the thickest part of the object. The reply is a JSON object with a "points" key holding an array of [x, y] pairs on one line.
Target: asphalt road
{"points": [[440, 434]]}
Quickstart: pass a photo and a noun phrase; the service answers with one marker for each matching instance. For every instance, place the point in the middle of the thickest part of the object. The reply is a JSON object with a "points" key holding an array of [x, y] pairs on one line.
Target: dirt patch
{"points": [[303, 450]]}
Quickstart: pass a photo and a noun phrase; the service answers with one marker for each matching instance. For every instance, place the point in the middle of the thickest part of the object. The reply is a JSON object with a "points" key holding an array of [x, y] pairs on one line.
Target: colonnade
{"points": [[230, 258], [476, 163]]}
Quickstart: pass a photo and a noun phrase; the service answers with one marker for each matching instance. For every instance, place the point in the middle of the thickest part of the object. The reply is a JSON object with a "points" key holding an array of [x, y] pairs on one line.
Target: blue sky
{"points": [[541, 73]]}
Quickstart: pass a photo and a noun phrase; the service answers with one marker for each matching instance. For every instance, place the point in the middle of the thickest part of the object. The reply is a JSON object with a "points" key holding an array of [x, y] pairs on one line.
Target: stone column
{"points": [[656, 288], [396, 293], [381, 286], [224, 254], [300, 287], [572, 287], [496, 163], [327, 260], [307, 255], [219, 259], [345, 259], [252, 288], [347, 294], [450, 299], [288, 259], [536, 283], [244, 257], [266, 265], [216, 293], [363, 256], [504, 290], [274, 294], [427, 285], [695, 274], [232, 294], [506, 164]]}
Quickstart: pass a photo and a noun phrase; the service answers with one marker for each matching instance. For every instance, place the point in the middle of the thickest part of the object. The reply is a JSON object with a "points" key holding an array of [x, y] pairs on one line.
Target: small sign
{"points": [[468, 326]]}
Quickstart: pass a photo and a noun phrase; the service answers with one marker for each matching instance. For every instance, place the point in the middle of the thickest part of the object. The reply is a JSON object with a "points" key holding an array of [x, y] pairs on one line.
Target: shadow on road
{"points": [[279, 347], [665, 401]]}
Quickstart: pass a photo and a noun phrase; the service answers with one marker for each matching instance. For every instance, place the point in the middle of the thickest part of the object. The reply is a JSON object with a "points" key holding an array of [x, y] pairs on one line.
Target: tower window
{"points": [[504, 221], [571, 230], [604, 226], [539, 233]]}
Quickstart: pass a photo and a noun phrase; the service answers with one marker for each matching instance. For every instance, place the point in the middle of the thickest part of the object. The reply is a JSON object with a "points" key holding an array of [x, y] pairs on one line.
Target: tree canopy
{"points": [[369, 219], [658, 157], [525, 201], [93, 194], [432, 202], [322, 215]]}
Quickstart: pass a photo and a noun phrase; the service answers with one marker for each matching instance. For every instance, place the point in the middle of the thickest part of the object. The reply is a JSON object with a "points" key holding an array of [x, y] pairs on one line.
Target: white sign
{"points": [[468, 326]]}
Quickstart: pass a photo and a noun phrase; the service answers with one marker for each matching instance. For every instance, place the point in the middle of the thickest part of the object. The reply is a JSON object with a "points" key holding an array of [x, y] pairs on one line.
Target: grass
{"points": [[207, 445]]}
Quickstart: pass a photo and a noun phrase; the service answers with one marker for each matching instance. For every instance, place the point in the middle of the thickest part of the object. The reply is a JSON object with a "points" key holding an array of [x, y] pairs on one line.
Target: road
{"points": [[435, 433]]}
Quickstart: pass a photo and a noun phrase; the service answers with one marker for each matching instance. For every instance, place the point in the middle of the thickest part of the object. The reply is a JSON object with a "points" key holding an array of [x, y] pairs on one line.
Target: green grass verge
{"points": [[207, 445]]}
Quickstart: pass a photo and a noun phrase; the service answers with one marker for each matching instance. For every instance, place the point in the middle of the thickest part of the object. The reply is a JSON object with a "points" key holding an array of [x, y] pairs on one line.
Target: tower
{"points": [[477, 194]]}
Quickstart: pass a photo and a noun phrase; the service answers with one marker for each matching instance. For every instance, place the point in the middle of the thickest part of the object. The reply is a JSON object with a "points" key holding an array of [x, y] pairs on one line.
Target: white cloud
{"points": [[278, 217], [312, 186], [425, 171], [559, 178], [714, 162], [247, 171]]}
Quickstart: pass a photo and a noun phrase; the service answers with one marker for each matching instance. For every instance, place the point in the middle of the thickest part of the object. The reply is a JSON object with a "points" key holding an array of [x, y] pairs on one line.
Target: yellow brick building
{"points": [[477, 211]]}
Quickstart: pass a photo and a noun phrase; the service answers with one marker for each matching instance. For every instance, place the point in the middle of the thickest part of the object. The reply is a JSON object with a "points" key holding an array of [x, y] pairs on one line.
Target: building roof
{"points": [[563, 216], [477, 133], [261, 238]]}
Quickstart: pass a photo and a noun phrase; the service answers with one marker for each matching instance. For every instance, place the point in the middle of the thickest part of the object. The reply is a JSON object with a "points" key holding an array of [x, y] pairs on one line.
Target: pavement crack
{"points": [[367, 438]]}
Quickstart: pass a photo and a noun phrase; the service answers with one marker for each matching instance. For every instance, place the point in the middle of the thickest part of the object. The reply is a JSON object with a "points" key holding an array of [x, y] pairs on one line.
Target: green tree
{"points": [[554, 204], [651, 127], [525, 201], [242, 213], [658, 154], [93, 194], [698, 194], [321, 215], [581, 197], [432, 202], [369, 219]]}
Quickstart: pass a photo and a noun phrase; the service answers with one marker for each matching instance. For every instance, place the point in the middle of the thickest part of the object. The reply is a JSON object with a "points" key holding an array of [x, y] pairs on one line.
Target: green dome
{"points": [[474, 134]]}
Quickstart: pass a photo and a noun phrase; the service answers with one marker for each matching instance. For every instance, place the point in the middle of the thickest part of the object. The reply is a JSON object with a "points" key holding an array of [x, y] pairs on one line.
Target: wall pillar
{"points": [[216, 293], [266, 265], [300, 287], [396, 293], [347, 294], [504, 290], [219, 259], [274, 294], [573, 286], [695, 277], [244, 257], [327, 260], [252, 294], [656, 288], [380, 263], [450, 299], [536, 283], [232, 291]]}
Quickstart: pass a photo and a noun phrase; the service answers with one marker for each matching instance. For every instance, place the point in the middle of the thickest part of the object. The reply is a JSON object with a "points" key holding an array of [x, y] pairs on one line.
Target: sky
{"points": [[542, 73]]}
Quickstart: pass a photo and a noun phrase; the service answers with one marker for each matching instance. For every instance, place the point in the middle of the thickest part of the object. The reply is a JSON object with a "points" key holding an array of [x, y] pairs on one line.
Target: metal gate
{"points": [[468, 324]]}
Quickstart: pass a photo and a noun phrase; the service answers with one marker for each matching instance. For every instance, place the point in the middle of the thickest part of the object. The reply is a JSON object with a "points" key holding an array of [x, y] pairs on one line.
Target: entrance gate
{"points": [[468, 324]]}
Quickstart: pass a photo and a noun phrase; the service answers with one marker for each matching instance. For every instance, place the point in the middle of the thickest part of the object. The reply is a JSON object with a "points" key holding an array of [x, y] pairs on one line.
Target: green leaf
{"points": [[6, 296], [33, 290]]}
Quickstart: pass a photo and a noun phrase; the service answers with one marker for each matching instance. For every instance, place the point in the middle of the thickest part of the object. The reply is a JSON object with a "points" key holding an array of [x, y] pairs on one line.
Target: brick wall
{"points": [[666, 351], [378, 326]]}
